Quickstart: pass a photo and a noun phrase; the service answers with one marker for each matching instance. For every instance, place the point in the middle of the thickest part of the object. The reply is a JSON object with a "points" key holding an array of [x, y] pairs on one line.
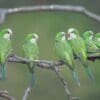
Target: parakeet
{"points": [[90, 45], [96, 39], [31, 52], [79, 49], [5, 50], [64, 53]]}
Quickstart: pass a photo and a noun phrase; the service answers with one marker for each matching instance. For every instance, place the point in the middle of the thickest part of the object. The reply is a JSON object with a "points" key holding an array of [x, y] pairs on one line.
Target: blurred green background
{"points": [[46, 25]]}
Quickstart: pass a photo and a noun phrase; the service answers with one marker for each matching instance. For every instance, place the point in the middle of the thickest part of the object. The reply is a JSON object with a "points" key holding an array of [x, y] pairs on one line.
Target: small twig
{"points": [[65, 8], [4, 94], [44, 63], [27, 91], [65, 84]]}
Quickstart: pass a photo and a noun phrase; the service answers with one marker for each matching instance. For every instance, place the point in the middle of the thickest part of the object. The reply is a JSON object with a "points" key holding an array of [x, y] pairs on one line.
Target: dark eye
{"points": [[72, 32], [63, 34]]}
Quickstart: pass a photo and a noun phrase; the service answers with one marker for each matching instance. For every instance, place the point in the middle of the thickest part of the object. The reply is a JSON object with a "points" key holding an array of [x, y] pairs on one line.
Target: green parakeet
{"points": [[64, 52], [79, 48], [5, 51], [90, 45], [96, 39], [31, 52]]}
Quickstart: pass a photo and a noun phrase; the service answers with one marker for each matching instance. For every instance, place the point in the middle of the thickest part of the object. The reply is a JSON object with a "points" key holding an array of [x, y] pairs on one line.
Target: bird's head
{"points": [[6, 33], [60, 36], [72, 33], [88, 35], [32, 37]]}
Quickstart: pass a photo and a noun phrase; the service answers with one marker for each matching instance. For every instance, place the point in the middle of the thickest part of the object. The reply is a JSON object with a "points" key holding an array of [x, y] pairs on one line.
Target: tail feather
{"points": [[75, 77], [0, 72], [4, 71], [89, 73], [32, 80]]}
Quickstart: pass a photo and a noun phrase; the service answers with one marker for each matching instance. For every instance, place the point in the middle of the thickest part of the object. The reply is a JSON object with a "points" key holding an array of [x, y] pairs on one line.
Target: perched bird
{"points": [[31, 52], [64, 52], [96, 39], [90, 45], [5, 51], [79, 49]]}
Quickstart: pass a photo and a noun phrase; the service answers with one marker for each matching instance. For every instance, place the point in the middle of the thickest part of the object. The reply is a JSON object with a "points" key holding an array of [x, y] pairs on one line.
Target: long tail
{"points": [[88, 70], [75, 77], [4, 71], [32, 80], [89, 73], [0, 72]]}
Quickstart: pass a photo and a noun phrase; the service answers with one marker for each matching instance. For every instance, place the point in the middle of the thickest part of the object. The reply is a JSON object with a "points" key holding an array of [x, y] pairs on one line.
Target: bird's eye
{"points": [[72, 32], [63, 34]]}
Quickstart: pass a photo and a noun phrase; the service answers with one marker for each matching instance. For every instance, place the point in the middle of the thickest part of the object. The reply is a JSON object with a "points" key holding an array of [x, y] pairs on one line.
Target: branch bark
{"points": [[54, 65], [26, 94], [4, 94], [65, 8], [65, 84], [44, 63]]}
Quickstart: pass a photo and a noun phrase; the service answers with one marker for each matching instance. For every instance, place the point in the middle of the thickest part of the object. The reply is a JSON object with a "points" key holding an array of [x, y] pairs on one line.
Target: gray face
{"points": [[71, 31], [9, 31], [35, 36], [63, 36], [8, 34]]}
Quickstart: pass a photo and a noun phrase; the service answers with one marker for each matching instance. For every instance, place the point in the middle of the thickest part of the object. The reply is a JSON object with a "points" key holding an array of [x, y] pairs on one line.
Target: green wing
{"points": [[5, 49], [31, 51], [64, 52], [96, 39], [78, 47], [91, 47]]}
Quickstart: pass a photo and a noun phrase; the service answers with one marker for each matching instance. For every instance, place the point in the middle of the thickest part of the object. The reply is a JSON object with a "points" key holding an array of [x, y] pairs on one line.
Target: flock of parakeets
{"points": [[67, 45]]}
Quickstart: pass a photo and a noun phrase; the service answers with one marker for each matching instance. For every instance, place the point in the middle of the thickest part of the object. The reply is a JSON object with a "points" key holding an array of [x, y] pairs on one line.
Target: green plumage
{"points": [[5, 50], [64, 52], [90, 45], [31, 52], [96, 39], [79, 50]]}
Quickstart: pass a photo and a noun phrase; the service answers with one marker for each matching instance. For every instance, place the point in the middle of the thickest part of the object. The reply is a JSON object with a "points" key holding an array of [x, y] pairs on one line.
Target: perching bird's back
{"points": [[79, 48]]}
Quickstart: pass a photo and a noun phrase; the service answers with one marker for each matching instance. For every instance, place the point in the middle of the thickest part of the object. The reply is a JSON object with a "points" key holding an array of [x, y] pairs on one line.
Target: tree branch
{"points": [[54, 65], [77, 9], [4, 94], [65, 8], [65, 84], [27, 91], [44, 63]]}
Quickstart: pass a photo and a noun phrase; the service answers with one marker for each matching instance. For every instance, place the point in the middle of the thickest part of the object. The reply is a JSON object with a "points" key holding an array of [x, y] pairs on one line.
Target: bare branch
{"points": [[27, 91], [65, 84], [66, 8], [4, 94], [54, 65], [44, 63]]}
